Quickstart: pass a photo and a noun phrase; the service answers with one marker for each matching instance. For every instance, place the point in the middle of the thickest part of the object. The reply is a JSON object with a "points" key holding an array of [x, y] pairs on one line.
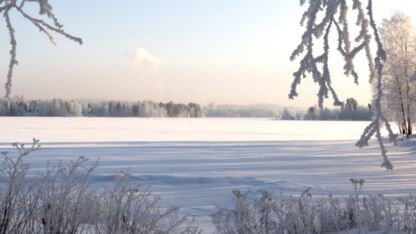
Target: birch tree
{"points": [[45, 21], [322, 17], [398, 37]]}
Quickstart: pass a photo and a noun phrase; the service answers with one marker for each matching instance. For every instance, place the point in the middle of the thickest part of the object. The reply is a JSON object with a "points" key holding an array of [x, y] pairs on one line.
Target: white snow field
{"points": [[196, 163]]}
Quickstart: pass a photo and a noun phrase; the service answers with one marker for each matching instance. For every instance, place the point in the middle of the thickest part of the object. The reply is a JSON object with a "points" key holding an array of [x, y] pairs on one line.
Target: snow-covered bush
{"points": [[132, 209], [323, 214], [61, 200]]}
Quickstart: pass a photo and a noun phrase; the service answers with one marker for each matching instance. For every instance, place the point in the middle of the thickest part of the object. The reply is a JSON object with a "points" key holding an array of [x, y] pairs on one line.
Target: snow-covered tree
{"points": [[399, 41], [286, 115], [21, 8], [351, 104], [322, 17], [312, 114]]}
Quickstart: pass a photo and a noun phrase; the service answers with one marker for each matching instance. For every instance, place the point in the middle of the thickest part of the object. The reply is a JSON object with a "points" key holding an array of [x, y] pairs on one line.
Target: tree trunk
{"points": [[404, 127], [409, 121]]}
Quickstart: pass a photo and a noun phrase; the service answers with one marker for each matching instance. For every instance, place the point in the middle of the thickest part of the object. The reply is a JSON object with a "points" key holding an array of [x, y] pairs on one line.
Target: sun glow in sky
{"points": [[221, 51]]}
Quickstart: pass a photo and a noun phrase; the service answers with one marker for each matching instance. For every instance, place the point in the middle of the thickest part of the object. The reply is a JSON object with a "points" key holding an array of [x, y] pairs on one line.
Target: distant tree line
{"points": [[360, 114], [350, 111], [60, 107], [249, 111], [19, 106]]}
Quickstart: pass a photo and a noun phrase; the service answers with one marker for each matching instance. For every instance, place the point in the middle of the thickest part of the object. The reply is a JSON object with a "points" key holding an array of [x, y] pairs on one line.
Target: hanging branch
{"points": [[7, 6], [335, 13]]}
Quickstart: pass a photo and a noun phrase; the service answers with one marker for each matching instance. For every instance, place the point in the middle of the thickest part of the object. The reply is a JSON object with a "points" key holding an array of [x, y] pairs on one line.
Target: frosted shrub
{"points": [[18, 196], [132, 209], [65, 197], [266, 215], [61, 200], [305, 214], [409, 214]]}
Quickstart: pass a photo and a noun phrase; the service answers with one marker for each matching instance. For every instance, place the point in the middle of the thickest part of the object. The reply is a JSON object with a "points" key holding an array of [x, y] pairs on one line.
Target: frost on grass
{"points": [[322, 17], [306, 214], [61, 200], [21, 8]]}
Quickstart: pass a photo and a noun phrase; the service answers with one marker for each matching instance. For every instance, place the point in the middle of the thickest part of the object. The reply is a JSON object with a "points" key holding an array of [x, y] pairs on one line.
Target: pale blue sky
{"points": [[222, 51]]}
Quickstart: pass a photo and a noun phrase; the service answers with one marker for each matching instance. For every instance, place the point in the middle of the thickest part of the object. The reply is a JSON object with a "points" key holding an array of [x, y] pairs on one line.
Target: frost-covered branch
{"points": [[19, 6], [379, 119], [320, 17]]}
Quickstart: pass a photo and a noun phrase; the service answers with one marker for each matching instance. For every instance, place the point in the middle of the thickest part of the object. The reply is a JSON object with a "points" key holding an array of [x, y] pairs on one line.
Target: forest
{"points": [[19, 106]]}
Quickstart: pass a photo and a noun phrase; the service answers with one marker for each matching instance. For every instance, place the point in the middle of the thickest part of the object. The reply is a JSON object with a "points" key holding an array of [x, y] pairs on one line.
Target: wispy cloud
{"points": [[143, 59]]}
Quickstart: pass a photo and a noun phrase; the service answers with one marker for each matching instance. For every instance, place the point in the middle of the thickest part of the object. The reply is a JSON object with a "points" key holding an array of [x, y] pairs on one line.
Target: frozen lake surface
{"points": [[164, 129], [196, 163]]}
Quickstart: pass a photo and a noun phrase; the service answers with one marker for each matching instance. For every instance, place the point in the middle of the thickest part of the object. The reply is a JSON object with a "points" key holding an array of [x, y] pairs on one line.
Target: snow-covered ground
{"points": [[196, 163]]}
